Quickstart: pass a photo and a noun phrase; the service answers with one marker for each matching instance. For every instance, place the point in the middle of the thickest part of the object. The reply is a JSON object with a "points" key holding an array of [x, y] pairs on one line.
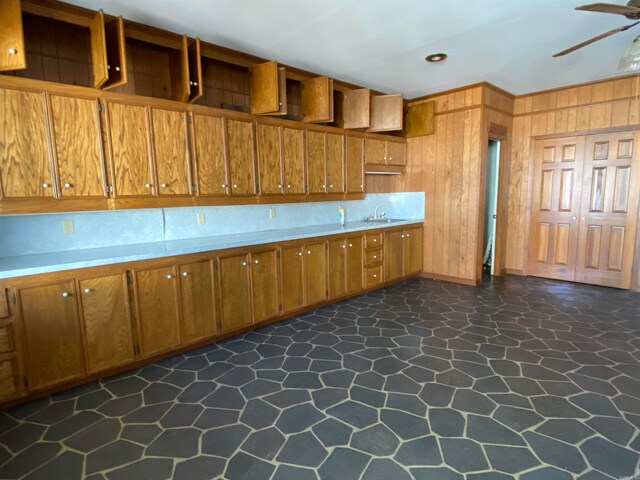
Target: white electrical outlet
{"points": [[272, 213], [68, 227], [201, 218]]}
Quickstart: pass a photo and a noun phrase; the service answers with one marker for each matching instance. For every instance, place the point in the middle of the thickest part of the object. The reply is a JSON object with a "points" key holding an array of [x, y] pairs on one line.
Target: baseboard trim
{"points": [[446, 278], [514, 271]]}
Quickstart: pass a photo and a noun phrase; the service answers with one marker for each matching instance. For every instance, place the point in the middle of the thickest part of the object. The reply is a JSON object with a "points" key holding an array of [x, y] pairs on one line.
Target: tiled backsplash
{"points": [[32, 234]]}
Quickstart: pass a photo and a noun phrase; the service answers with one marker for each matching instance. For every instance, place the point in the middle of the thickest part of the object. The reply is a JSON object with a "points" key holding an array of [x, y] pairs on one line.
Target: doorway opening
{"points": [[491, 206]]}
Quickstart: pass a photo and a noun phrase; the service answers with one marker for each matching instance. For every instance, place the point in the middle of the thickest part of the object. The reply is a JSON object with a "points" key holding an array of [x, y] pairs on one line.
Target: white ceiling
{"points": [[382, 43]]}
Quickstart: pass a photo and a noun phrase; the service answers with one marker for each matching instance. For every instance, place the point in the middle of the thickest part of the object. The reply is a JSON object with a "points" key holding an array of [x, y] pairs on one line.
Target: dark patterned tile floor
{"points": [[521, 378]]}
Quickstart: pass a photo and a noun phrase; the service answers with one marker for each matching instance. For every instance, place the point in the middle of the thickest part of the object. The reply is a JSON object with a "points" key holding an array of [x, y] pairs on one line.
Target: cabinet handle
{"points": [[256, 261], [67, 185], [148, 185], [87, 290], [244, 264], [46, 185], [169, 276], [184, 274], [12, 51], [65, 294]]}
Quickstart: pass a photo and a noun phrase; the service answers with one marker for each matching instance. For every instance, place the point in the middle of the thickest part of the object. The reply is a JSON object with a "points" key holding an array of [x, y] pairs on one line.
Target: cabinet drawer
{"points": [[6, 339], [372, 276], [374, 240], [7, 378], [373, 257]]}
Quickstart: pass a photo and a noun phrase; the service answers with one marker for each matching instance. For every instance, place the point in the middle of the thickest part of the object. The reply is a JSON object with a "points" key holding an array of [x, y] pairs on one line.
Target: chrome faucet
{"points": [[375, 212]]}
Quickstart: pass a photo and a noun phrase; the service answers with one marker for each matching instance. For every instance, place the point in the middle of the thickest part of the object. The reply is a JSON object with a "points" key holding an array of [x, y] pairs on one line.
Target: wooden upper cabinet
{"points": [[375, 151], [197, 301], [269, 148], [420, 119], [25, 161], [196, 88], [386, 113], [317, 100], [52, 337], [77, 146], [413, 250], [265, 285], [316, 162], [170, 151], [12, 49], [106, 320], [335, 163], [240, 151], [235, 292], [356, 108], [210, 158], [108, 56], [158, 309], [179, 66], [354, 162], [354, 264], [396, 153], [268, 89], [293, 155], [292, 278], [315, 273], [129, 136]]}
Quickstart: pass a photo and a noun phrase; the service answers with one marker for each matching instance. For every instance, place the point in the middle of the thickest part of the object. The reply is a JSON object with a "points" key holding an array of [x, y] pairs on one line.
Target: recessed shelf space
{"points": [[224, 85]]}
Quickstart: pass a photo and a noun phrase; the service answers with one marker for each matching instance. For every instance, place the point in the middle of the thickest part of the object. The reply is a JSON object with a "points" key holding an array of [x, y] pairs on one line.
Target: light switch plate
{"points": [[68, 227], [201, 218]]}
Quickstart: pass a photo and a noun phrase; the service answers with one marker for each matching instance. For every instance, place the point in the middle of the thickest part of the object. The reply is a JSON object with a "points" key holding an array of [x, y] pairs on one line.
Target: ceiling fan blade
{"points": [[609, 8], [595, 39]]}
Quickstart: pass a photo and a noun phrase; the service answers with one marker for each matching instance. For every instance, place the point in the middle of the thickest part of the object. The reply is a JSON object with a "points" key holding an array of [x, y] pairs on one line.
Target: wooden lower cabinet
{"points": [[413, 251], [52, 337], [157, 310], [265, 285], [106, 321], [235, 292], [393, 255], [197, 301], [337, 268], [292, 261], [315, 273], [354, 264]]}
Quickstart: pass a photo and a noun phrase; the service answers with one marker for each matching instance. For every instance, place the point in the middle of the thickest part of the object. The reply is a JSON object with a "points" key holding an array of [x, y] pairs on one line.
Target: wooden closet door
{"points": [[555, 209], [609, 211]]}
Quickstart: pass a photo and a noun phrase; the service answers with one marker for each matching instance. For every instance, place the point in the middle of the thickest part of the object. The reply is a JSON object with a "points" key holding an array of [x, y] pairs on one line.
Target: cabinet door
{"points": [[25, 163], [116, 53], [264, 88], [12, 52], [99, 61], [316, 162], [210, 157], [77, 143], [171, 151], [356, 108], [354, 162], [335, 162], [316, 98], [269, 159], [129, 136], [293, 160], [375, 151], [386, 113], [241, 160], [265, 285], [235, 293], [396, 153], [337, 268], [196, 88], [51, 335], [354, 264], [292, 278], [393, 255], [413, 251], [158, 315], [315, 273], [197, 301], [106, 321]]}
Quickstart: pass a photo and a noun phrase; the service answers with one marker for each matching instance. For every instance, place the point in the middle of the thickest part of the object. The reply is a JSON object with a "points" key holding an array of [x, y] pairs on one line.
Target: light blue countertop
{"points": [[57, 261]]}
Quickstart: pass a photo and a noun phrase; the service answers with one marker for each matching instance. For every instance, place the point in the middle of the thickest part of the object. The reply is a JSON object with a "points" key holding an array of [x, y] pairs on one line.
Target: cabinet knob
{"points": [[299, 254], [344, 246], [375, 256], [390, 158], [574, 218], [169, 276], [108, 67], [407, 235], [244, 264], [46, 185], [67, 185], [224, 185], [235, 186], [87, 290], [375, 276], [65, 294], [289, 186], [375, 240], [402, 236], [279, 186], [195, 84], [256, 261], [163, 185], [324, 186], [330, 186], [148, 185], [361, 186], [190, 83], [351, 244], [12, 51], [308, 252], [184, 274], [117, 69]]}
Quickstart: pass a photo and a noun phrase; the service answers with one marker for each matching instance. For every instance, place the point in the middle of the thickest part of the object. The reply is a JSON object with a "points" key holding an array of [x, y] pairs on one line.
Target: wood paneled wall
{"points": [[581, 109]]}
